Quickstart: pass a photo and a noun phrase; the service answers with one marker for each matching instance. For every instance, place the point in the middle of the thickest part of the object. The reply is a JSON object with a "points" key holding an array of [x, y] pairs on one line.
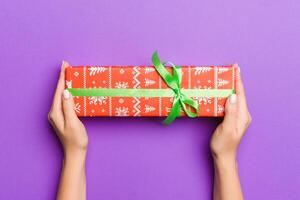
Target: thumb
{"points": [[231, 109], [68, 106]]}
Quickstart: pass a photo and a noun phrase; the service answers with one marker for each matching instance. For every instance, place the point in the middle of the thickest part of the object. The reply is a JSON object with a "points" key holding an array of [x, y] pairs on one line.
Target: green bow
{"points": [[174, 82]]}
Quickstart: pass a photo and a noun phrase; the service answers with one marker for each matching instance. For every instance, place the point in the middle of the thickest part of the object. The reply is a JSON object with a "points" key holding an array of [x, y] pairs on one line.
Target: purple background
{"points": [[140, 158]]}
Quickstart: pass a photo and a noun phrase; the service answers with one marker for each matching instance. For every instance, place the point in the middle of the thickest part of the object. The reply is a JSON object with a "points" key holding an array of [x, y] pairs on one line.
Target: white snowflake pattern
{"points": [[97, 100], [96, 70], [199, 70], [121, 111], [204, 100], [220, 109], [121, 84], [121, 100], [76, 74], [77, 107], [122, 71]]}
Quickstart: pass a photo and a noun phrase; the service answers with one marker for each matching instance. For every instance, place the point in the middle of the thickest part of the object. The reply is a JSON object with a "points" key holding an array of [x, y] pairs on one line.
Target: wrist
{"points": [[224, 155], [76, 162], [76, 154], [225, 162]]}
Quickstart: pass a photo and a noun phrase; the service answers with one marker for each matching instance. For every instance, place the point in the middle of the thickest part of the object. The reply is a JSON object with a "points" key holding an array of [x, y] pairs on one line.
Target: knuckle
{"points": [[51, 116], [249, 119]]}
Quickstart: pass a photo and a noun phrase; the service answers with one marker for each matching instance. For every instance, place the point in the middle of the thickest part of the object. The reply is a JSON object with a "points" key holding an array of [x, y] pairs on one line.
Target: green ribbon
{"points": [[174, 82], [182, 97], [116, 92]]}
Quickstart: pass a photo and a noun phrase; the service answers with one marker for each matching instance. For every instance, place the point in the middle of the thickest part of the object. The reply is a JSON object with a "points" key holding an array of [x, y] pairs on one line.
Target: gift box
{"points": [[146, 91]]}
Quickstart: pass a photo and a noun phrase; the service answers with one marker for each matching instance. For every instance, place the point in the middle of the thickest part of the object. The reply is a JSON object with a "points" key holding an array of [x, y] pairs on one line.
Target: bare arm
{"points": [[224, 146], [74, 139]]}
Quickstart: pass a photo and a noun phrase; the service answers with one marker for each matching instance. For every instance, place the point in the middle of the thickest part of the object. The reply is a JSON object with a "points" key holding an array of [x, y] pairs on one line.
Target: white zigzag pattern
{"points": [[135, 106], [137, 83], [137, 73]]}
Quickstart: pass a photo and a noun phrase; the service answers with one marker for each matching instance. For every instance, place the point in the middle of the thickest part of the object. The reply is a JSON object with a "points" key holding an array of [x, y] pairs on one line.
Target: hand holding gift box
{"points": [[151, 90]]}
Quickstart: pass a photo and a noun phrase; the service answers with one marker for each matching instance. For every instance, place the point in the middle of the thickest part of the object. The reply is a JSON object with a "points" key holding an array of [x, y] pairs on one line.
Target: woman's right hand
{"points": [[224, 145], [227, 136]]}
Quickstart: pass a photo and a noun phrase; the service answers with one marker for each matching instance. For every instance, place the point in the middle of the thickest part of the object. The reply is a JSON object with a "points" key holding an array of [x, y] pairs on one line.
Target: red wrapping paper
{"points": [[202, 77]]}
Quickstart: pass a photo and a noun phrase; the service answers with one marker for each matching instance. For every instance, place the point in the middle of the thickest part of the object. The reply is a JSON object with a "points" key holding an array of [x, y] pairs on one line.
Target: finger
{"points": [[231, 109], [239, 83], [240, 91], [55, 115], [60, 87], [68, 107]]}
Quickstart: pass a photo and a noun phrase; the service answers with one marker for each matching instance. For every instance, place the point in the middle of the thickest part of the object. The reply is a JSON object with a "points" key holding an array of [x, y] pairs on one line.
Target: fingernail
{"points": [[236, 65], [232, 99], [66, 94], [64, 63]]}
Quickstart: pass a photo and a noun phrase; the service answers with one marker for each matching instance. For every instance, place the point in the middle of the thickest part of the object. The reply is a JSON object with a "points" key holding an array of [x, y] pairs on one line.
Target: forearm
{"points": [[73, 179], [226, 180]]}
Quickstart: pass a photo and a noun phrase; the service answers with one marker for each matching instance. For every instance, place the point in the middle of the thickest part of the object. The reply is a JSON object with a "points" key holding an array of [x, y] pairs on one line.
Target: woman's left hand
{"points": [[62, 116]]}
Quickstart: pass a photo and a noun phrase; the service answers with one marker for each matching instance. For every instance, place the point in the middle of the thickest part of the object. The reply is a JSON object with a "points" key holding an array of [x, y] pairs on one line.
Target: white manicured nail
{"points": [[232, 99], [66, 94], [237, 66], [64, 63]]}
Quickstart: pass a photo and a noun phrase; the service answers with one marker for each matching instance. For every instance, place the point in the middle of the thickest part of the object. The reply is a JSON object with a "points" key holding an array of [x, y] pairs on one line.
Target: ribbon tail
{"points": [[175, 112], [187, 101]]}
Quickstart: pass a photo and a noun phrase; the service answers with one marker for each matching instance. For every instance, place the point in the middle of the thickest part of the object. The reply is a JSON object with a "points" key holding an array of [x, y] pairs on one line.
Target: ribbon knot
{"points": [[180, 100]]}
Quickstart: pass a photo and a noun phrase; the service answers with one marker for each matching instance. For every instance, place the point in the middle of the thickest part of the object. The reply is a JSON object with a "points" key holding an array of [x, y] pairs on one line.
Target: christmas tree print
{"points": [[222, 82], [149, 108], [199, 70], [222, 70], [149, 70], [149, 82], [96, 70], [69, 84]]}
